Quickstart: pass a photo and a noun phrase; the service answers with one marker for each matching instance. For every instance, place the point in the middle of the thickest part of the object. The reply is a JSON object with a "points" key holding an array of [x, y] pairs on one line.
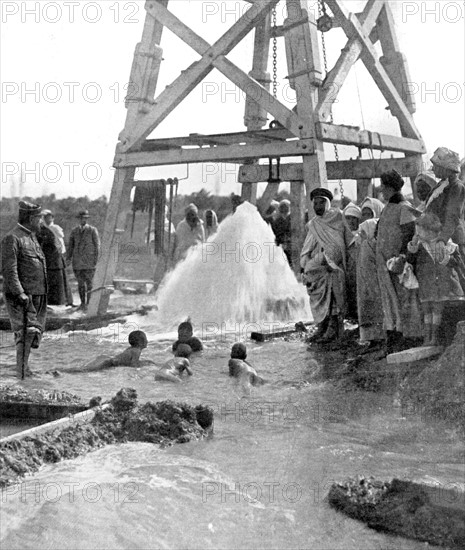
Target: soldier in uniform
{"points": [[25, 284]]}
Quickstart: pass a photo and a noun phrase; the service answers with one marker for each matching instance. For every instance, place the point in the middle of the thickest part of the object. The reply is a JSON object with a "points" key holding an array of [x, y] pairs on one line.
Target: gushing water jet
{"points": [[238, 276]]}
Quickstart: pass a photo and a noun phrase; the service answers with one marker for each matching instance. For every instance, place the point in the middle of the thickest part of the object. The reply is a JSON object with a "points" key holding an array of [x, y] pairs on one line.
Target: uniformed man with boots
{"points": [[25, 284]]}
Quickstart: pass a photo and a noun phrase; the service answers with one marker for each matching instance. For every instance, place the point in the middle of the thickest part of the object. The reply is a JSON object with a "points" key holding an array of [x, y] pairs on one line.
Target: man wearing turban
{"points": [[323, 263]]}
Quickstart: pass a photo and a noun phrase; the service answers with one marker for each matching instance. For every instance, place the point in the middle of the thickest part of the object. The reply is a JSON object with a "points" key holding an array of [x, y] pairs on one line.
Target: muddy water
{"points": [[260, 482]]}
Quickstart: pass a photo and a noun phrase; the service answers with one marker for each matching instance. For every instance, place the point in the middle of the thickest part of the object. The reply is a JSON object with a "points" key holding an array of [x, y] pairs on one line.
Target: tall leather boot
{"points": [[20, 357]]}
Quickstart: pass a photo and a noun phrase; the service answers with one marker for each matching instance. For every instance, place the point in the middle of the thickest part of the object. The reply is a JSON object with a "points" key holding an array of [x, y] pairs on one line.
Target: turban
{"points": [[321, 192], [446, 159], [428, 178], [352, 210]]}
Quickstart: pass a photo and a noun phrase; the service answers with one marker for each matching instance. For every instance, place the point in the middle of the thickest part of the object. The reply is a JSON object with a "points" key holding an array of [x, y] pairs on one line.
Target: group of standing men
{"points": [[34, 259], [409, 261]]}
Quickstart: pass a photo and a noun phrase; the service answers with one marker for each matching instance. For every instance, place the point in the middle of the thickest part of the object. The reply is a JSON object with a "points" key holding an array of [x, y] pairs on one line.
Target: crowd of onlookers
{"points": [[389, 266]]}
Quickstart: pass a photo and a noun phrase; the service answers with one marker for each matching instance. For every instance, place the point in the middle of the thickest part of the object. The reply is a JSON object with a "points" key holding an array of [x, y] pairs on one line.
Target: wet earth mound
{"points": [[123, 420], [403, 508]]}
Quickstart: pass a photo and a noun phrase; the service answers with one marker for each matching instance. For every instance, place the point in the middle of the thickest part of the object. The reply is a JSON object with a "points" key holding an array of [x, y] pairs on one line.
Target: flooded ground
{"points": [[260, 482]]}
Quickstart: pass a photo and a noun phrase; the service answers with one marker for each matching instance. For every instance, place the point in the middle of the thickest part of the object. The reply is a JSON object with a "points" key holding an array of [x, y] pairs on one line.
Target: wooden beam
{"points": [[297, 222], [369, 55], [236, 75], [363, 187], [350, 54], [304, 65], [175, 93], [348, 135], [344, 169], [108, 259], [145, 68], [226, 153], [255, 116]]}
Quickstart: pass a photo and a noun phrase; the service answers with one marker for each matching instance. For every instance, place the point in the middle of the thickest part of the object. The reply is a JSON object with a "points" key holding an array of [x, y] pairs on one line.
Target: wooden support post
{"points": [[298, 207], [305, 76], [363, 189], [269, 194], [115, 219], [255, 115]]}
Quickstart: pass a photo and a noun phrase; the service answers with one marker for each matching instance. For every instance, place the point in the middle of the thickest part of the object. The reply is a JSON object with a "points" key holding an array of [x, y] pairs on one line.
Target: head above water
{"points": [[183, 350], [239, 351], [185, 330], [137, 339]]}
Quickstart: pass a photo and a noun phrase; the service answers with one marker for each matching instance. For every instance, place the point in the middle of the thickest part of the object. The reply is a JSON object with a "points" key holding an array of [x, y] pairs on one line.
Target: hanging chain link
{"points": [[322, 11], [275, 56]]}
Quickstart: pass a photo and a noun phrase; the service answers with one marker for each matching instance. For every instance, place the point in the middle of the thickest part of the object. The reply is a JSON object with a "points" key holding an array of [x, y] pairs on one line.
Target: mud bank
{"points": [[434, 388], [404, 508], [164, 423]]}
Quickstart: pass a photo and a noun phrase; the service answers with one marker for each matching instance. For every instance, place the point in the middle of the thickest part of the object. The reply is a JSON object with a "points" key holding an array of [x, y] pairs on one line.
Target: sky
{"points": [[65, 67]]}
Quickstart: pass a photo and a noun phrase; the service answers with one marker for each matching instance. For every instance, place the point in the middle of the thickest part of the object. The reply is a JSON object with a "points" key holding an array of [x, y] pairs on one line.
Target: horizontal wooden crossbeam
{"points": [[348, 135], [235, 153], [345, 169]]}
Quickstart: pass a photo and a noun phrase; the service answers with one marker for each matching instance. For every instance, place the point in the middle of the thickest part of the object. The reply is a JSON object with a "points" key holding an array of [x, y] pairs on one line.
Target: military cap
{"points": [[25, 206], [83, 214]]}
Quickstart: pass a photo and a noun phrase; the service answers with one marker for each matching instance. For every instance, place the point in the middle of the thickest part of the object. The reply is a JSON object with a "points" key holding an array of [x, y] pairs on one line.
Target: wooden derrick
{"points": [[299, 132]]}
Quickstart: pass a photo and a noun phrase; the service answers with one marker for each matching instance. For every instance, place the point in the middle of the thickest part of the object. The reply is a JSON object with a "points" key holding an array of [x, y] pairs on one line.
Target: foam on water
{"points": [[238, 276]]}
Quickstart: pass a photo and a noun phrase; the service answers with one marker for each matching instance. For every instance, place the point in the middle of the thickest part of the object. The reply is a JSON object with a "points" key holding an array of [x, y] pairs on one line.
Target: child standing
{"points": [[438, 280]]}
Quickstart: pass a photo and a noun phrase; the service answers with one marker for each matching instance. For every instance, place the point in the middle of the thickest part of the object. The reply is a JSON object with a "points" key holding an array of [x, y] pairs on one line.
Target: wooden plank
{"points": [[145, 69], [297, 222], [83, 417], [363, 187], [413, 354], [199, 140], [347, 135], [266, 336], [303, 61], [108, 259], [231, 153], [255, 116], [344, 169], [178, 90]]}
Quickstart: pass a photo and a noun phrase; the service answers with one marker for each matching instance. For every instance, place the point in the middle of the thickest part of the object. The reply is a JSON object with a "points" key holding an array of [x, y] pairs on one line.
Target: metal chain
{"points": [[275, 56], [322, 11]]}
